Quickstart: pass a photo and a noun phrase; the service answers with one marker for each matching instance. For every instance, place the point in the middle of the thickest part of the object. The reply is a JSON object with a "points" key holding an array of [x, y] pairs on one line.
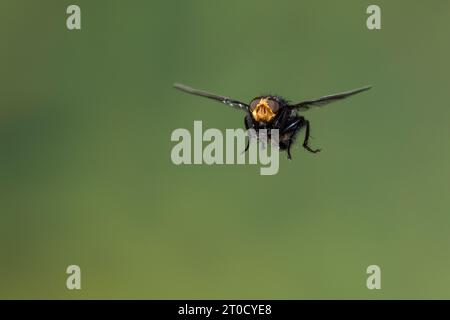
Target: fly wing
{"points": [[228, 101], [305, 105]]}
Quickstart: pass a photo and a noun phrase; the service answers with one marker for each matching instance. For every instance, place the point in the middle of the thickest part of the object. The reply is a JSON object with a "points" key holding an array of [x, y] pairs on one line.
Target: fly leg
{"points": [[289, 149], [305, 142], [293, 127]]}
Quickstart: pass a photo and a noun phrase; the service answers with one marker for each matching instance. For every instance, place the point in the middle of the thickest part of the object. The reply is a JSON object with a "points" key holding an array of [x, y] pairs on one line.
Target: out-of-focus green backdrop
{"points": [[86, 176]]}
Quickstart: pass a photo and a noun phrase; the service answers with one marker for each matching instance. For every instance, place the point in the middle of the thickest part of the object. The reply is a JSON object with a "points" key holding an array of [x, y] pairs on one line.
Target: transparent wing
{"points": [[228, 101], [305, 105]]}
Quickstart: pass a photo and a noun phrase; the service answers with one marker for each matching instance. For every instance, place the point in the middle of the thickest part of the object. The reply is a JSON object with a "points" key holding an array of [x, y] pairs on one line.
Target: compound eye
{"points": [[274, 105], [254, 103]]}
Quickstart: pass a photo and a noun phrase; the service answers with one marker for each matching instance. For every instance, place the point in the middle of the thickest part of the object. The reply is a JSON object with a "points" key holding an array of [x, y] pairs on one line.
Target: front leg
{"points": [[290, 132], [289, 149], [305, 142]]}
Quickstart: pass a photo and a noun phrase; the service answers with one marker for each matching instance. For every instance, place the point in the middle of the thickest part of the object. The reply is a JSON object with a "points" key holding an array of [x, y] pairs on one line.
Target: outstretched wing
{"points": [[305, 105], [231, 102]]}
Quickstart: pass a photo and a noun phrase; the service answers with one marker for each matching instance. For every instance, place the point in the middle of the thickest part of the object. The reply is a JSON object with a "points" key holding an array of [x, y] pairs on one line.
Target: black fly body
{"points": [[274, 112]]}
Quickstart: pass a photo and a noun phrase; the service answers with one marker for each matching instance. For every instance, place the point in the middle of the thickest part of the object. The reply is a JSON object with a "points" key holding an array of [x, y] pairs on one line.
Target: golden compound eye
{"points": [[274, 105], [254, 103]]}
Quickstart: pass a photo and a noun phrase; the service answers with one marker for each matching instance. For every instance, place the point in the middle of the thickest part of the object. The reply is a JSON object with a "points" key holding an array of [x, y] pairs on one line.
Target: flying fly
{"points": [[275, 112]]}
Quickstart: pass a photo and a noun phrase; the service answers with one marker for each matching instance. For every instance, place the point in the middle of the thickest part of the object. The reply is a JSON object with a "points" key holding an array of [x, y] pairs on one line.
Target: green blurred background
{"points": [[86, 176]]}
